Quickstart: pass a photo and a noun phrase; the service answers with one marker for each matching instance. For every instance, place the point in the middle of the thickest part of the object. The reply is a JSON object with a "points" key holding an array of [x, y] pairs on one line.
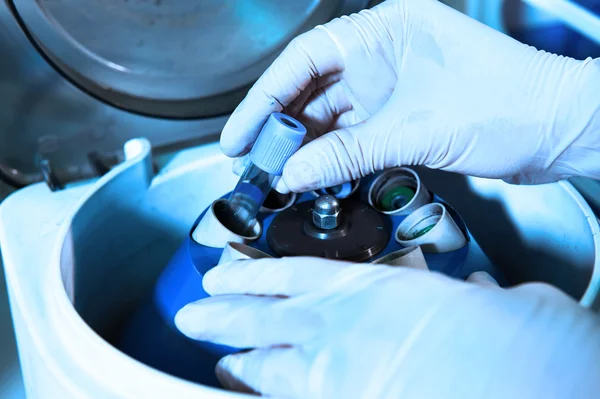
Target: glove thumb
{"points": [[347, 154]]}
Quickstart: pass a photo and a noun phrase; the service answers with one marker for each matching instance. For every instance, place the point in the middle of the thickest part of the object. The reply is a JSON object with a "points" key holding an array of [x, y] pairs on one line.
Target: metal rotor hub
{"points": [[358, 233]]}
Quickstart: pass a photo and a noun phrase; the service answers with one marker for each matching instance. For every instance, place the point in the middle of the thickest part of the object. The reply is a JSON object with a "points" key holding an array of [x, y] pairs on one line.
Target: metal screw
{"points": [[327, 212]]}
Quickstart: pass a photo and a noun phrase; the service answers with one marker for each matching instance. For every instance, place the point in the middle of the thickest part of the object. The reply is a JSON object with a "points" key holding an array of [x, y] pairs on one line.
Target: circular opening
{"points": [[394, 198], [395, 190], [224, 215], [289, 123], [420, 222], [419, 232], [276, 202]]}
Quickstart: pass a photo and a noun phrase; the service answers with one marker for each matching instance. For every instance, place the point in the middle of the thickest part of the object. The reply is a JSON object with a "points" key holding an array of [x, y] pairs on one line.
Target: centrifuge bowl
{"points": [[82, 259]]}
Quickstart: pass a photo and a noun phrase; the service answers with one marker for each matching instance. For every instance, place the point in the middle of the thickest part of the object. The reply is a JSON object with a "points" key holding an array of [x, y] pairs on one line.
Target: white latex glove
{"points": [[414, 82], [327, 329]]}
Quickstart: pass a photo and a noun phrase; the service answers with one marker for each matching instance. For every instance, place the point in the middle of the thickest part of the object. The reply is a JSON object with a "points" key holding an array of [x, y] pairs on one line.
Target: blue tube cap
{"points": [[279, 139]]}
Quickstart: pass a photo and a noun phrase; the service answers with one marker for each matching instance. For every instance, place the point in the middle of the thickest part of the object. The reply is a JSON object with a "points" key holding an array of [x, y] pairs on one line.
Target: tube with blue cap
{"points": [[279, 139]]}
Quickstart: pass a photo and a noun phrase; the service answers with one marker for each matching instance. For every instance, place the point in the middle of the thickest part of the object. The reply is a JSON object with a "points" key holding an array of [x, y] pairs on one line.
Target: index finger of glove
{"points": [[309, 56]]}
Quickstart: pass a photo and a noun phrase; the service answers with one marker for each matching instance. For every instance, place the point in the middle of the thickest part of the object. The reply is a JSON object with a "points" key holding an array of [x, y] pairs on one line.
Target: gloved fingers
{"points": [[281, 372], [296, 106], [381, 141], [240, 164], [286, 276], [309, 56], [542, 290], [281, 187], [482, 278], [534, 290], [324, 106], [344, 120], [247, 321], [324, 109], [336, 157]]}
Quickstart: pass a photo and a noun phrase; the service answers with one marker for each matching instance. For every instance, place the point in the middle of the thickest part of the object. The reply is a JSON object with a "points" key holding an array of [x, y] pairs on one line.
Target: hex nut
{"points": [[327, 212]]}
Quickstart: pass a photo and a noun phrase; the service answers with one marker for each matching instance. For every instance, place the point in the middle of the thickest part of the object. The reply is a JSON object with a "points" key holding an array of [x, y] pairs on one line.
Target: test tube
{"points": [[279, 139]]}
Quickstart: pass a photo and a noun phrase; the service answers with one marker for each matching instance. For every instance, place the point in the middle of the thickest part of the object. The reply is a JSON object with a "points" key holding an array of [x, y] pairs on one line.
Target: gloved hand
{"points": [[414, 82], [327, 329]]}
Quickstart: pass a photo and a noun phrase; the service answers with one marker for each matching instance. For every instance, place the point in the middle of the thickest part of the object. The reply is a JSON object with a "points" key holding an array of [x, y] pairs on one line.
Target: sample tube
{"points": [[279, 139]]}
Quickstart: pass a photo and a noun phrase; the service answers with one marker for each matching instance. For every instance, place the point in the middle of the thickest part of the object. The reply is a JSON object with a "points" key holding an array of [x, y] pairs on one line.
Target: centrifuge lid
{"points": [[170, 58]]}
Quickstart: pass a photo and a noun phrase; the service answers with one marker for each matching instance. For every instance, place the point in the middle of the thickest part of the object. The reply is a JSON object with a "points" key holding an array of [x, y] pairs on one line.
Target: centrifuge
{"points": [[122, 102]]}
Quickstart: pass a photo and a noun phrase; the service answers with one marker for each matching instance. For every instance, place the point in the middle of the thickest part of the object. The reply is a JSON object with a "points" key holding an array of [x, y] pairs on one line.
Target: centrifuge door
{"points": [[81, 77], [169, 58]]}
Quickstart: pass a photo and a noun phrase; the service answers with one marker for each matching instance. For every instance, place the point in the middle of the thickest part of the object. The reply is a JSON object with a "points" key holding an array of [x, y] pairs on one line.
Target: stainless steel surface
{"points": [[64, 113], [327, 212], [168, 57]]}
